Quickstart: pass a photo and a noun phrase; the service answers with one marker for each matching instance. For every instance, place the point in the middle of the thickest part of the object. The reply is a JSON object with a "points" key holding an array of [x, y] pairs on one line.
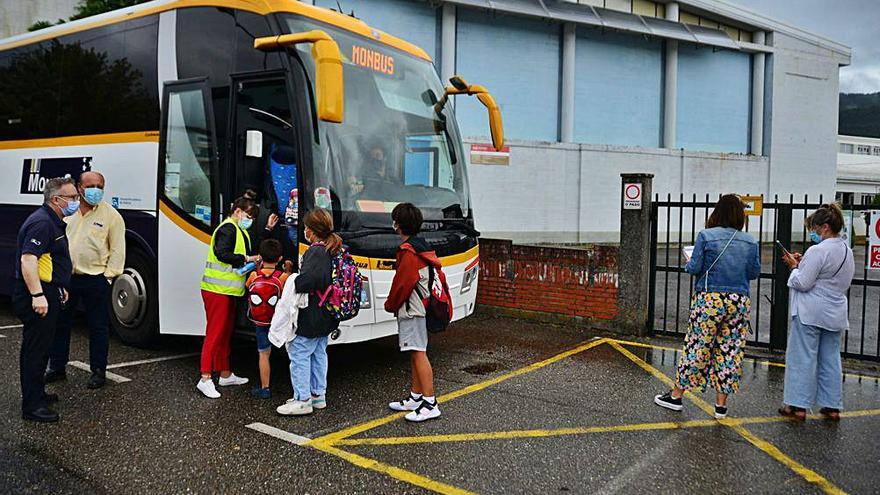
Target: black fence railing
{"points": [[675, 224]]}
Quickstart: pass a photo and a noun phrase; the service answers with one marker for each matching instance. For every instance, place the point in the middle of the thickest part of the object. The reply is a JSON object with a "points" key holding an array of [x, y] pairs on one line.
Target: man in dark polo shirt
{"points": [[42, 273]]}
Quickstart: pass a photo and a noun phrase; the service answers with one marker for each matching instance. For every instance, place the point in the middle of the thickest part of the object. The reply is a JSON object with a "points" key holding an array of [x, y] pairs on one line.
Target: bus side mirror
{"points": [[329, 86], [460, 87], [495, 125]]}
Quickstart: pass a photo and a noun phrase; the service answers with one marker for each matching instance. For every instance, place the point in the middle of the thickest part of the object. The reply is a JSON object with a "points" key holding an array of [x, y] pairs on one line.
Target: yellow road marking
{"points": [[504, 435], [393, 471], [765, 446], [661, 376], [332, 438], [762, 362], [778, 455], [663, 425]]}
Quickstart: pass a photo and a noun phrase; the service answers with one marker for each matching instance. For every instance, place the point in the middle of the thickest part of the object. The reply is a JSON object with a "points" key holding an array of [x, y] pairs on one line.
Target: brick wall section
{"points": [[579, 283]]}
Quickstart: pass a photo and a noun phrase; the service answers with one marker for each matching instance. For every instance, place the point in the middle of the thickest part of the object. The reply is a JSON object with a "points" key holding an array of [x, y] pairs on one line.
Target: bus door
{"points": [[265, 156], [189, 203]]}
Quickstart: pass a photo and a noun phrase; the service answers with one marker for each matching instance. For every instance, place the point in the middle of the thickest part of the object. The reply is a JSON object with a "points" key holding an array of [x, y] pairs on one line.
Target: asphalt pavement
{"points": [[527, 408]]}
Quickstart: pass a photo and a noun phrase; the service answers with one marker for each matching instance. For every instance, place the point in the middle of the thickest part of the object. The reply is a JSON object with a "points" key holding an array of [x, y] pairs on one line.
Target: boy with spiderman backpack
{"points": [[264, 288], [420, 298]]}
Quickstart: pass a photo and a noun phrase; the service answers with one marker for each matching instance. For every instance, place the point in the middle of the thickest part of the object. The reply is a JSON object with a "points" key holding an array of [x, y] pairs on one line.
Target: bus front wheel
{"points": [[134, 309]]}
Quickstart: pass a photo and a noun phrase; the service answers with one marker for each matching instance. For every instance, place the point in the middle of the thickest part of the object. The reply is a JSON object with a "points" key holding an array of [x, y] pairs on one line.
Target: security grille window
{"points": [[188, 155], [863, 150], [876, 150]]}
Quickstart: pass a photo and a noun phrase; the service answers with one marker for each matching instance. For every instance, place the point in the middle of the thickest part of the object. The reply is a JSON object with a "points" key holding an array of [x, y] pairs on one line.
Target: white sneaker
{"points": [[232, 380], [295, 407], [424, 412], [408, 404], [319, 401], [207, 387]]}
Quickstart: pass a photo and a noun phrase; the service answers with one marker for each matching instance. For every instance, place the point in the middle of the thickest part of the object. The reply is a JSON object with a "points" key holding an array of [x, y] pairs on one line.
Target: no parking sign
{"points": [[874, 240]]}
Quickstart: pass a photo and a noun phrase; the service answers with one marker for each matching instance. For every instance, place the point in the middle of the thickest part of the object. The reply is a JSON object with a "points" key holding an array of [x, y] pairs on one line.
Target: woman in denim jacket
{"points": [[819, 280], [724, 260]]}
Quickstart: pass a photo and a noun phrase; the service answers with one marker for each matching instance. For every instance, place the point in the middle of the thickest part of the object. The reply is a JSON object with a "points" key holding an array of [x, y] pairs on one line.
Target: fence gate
{"points": [[675, 224]]}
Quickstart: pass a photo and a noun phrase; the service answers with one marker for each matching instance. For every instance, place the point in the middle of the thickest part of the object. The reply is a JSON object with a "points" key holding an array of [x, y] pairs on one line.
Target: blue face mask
{"points": [[93, 195], [816, 238], [245, 223], [71, 208]]}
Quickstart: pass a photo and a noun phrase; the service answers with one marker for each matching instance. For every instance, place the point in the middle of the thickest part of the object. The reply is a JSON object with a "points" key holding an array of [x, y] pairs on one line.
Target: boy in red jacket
{"points": [[410, 285]]}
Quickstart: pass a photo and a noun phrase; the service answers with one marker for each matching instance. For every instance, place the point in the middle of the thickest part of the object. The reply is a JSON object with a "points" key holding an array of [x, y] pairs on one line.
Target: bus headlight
{"points": [[468, 279], [366, 299]]}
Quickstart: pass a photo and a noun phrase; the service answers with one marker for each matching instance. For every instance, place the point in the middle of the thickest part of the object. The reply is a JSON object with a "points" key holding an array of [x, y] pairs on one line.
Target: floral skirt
{"points": [[715, 341]]}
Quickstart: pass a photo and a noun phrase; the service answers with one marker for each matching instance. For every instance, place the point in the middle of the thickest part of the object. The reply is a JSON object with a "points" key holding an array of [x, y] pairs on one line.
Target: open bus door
{"points": [[265, 156], [190, 203]]}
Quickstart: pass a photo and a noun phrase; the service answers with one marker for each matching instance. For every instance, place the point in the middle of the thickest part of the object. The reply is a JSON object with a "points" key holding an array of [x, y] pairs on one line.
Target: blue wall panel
{"points": [[517, 59], [714, 99], [412, 20], [618, 89]]}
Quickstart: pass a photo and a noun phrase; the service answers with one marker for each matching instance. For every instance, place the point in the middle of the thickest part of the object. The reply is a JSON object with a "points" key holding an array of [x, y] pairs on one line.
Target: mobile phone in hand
{"points": [[786, 251]]}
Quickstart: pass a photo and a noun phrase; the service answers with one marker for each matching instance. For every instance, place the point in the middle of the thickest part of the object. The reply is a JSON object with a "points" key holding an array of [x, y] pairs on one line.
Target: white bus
{"points": [[182, 104]]}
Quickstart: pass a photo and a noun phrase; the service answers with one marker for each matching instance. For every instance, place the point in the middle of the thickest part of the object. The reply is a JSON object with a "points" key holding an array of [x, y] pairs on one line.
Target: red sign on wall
{"points": [[874, 240], [874, 258]]}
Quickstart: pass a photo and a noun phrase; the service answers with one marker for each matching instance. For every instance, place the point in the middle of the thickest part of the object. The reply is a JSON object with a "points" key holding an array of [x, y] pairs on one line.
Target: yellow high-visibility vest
{"points": [[220, 277]]}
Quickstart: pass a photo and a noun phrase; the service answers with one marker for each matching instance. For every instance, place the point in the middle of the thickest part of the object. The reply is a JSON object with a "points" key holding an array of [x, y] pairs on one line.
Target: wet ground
{"points": [[527, 408]]}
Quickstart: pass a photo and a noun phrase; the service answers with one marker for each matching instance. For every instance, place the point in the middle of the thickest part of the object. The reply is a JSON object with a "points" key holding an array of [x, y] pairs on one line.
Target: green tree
{"points": [[87, 8]]}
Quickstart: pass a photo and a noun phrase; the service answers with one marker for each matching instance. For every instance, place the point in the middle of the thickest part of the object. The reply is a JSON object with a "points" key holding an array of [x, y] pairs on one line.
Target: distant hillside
{"points": [[860, 114]]}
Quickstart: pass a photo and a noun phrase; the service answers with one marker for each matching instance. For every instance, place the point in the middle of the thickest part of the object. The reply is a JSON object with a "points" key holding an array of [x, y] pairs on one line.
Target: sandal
{"points": [[829, 413], [797, 413]]}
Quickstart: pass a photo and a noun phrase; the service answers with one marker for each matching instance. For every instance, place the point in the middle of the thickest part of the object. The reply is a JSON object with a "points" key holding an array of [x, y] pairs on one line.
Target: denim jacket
{"points": [[740, 263]]}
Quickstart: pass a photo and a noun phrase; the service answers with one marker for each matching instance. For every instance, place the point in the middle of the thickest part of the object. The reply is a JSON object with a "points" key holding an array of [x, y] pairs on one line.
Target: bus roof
{"points": [[258, 6]]}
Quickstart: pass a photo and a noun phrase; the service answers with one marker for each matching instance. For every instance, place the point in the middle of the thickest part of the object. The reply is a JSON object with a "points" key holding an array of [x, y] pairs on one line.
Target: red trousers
{"points": [[220, 310]]}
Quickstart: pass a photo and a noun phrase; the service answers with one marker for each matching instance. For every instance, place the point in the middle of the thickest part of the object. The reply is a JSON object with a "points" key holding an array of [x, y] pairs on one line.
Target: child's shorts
{"points": [[263, 343], [413, 334]]}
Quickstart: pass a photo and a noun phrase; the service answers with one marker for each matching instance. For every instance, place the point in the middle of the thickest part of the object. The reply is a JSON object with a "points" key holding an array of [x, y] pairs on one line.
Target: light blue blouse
{"points": [[819, 284]]}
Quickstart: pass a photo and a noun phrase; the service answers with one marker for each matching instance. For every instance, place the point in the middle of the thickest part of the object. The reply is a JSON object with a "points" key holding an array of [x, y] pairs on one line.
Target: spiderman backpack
{"points": [[263, 294]]}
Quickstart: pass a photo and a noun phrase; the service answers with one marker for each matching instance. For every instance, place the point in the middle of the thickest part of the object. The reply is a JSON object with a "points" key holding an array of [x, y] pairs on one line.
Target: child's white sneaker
{"points": [[424, 412], [408, 404], [232, 380], [319, 401], [295, 407], [207, 387]]}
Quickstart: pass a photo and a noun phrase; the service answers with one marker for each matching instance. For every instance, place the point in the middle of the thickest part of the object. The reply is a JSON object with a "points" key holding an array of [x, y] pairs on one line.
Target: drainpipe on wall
{"points": [[756, 145], [566, 111], [670, 86]]}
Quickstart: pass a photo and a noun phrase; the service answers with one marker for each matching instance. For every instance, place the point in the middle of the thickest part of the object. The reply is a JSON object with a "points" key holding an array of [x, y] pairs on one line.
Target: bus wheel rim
{"points": [[129, 297]]}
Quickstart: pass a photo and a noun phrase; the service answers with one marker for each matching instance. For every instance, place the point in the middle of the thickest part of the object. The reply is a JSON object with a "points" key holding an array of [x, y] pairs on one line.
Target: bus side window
{"points": [[188, 154]]}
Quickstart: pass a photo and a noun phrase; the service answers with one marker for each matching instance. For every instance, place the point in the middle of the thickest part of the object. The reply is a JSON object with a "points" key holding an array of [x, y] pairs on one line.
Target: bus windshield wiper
{"points": [[459, 224]]}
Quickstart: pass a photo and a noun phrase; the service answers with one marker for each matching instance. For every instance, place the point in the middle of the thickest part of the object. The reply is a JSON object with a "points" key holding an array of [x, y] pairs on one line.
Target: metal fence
{"points": [[675, 224]]}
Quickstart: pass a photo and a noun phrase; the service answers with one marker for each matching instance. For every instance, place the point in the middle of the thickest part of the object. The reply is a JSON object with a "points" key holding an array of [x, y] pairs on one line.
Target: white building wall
{"points": [[570, 193], [803, 117], [17, 15]]}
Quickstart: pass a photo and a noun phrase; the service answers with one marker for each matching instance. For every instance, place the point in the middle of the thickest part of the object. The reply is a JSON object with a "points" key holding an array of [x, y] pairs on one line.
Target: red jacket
{"points": [[413, 258]]}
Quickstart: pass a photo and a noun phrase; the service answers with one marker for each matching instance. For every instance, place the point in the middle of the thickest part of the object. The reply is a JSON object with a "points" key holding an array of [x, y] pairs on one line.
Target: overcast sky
{"points": [[855, 23]]}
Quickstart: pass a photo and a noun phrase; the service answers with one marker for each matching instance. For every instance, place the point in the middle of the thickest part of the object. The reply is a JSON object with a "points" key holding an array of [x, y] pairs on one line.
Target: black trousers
{"points": [[94, 292], [36, 340]]}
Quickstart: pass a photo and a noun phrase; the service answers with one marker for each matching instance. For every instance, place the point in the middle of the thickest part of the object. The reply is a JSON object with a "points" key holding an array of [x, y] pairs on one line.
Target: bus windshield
{"points": [[392, 147]]}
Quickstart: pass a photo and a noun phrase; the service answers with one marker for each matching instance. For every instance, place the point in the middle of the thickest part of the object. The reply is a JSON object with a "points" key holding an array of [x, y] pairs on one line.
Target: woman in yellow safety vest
{"points": [[221, 285]]}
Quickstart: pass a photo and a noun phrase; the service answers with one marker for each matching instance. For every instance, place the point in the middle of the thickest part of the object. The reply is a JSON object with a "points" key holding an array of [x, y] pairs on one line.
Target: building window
{"points": [[846, 148], [863, 149], [876, 150]]}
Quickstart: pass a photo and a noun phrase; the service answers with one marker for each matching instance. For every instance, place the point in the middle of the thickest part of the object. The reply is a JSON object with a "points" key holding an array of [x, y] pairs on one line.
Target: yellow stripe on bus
{"points": [[93, 139], [183, 224], [258, 6], [388, 264]]}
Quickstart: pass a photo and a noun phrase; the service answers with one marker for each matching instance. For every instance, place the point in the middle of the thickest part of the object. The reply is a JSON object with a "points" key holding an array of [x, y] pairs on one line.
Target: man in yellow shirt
{"points": [[96, 234]]}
